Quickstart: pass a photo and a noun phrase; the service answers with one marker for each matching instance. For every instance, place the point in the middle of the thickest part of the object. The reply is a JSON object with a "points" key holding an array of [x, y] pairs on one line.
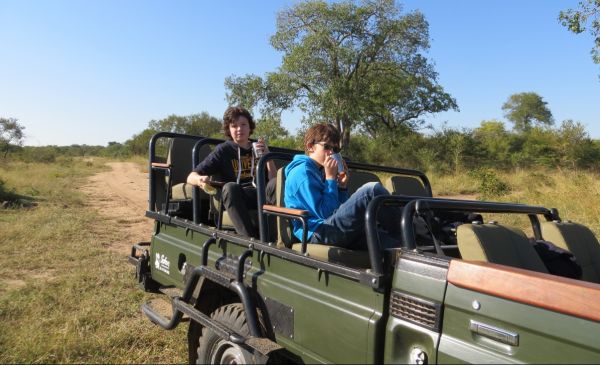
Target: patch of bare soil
{"points": [[121, 197]]}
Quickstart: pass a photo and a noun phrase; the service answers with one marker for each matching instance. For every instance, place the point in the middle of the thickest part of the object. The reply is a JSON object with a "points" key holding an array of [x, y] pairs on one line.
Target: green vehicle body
{"points": [[316, 311]]}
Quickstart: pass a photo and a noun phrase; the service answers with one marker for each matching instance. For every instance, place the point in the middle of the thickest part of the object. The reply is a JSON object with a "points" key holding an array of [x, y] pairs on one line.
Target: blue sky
{"points": [[94, 71]]}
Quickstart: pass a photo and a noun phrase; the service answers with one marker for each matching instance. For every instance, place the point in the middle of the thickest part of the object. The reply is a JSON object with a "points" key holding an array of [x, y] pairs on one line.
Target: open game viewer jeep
{"points": [[459, 292]]}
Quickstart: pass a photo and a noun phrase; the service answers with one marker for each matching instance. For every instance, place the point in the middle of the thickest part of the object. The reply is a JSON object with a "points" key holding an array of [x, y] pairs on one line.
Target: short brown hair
{"points": [[324, 132], [232, 114]]}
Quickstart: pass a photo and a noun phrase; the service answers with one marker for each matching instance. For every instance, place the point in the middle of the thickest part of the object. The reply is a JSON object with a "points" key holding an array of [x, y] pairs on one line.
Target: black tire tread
{"points": [[233, 317]]}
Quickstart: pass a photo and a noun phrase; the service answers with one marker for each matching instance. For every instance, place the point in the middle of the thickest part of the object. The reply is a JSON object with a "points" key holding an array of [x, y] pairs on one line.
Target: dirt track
{"points": [[121, 196]]}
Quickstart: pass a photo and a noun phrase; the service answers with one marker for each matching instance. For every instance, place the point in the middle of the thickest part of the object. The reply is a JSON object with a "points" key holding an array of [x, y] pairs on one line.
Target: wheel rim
{"points": [[227, 353]]}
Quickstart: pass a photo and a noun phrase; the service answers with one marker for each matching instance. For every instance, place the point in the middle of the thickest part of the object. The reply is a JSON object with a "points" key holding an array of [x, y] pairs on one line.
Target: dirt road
{"points": [[121, 196]]}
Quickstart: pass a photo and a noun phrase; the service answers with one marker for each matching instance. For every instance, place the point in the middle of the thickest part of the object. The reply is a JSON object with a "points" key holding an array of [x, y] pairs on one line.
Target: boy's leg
{"points": [[346, 227], [235, 202]]}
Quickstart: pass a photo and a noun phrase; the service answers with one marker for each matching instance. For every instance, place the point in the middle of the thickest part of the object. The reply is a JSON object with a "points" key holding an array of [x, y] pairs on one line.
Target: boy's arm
{"points": [[321, 199], [211, 163], [195, 178]]}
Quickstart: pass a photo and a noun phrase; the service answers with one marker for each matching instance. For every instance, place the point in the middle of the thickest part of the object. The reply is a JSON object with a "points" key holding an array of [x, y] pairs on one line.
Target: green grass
{"points": [[63, 297]]}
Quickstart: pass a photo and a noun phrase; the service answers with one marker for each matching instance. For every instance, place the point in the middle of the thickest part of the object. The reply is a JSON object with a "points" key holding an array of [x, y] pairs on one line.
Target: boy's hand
{"points": [[343, 180], [201, 180], [261, 146], [331, 169]]}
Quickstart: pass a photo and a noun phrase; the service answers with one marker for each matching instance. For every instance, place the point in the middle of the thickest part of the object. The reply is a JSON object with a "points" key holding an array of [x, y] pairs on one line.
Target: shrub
{"points": [[4, 194], [490, 184]]}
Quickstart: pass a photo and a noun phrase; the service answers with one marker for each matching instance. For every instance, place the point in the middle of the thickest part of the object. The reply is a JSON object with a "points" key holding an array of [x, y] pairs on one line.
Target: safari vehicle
{"points": [[474, 293]]}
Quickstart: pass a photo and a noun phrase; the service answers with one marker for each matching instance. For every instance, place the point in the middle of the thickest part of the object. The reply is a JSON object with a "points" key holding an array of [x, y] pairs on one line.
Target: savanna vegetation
{"points": [[64, 298]]}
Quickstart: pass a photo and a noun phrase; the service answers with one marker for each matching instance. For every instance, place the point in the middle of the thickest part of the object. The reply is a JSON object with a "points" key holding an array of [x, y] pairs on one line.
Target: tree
{"points": [[495, 141], [353, 65], [11, 133], [574, 145], [523, 109], [251, 92], [138, 144], [270, 128], [577, 22], [197, 124]]}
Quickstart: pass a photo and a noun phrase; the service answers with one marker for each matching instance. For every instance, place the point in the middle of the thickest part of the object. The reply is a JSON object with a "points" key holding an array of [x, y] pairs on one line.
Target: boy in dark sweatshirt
{"points": [[235, 164]]}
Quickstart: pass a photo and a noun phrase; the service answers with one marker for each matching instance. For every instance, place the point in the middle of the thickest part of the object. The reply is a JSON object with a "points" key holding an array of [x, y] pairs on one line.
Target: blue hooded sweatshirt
{"points": [[306, 188]]}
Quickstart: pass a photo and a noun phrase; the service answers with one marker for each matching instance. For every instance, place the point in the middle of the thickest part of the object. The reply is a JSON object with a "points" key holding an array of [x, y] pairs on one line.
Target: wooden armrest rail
{"points": [[161, 165], [555, 293], [290, 211]]}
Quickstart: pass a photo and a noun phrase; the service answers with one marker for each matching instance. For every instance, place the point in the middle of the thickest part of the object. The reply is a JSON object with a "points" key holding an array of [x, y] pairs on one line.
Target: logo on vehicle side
{"points": [[162, 263]]}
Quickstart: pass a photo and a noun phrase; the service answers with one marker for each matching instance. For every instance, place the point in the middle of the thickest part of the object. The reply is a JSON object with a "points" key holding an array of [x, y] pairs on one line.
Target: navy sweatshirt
{"points": [[224, 163]]}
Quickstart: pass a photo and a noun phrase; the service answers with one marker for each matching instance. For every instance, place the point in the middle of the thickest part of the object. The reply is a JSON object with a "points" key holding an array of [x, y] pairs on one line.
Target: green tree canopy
{"points": [[494, 139], [11, 133], [525, 109], [585, 17], [139, 143], [353, 65], [197, 124]]}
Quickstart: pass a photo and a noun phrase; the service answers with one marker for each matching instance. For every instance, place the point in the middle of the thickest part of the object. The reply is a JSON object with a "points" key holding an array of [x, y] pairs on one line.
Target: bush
{"points": [[490, 184], [4, 194]]}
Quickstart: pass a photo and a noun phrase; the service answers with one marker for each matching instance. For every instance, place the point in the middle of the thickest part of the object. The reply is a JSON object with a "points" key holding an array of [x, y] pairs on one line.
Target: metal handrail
{"points": [[151, 159], [417, 205]]}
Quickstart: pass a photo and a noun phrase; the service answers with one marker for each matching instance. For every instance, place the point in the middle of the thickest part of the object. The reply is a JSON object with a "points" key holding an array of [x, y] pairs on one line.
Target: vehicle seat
{"points": [[580, 241], [406, 185], [180, 158], [286, 238], [358, 178], [178, 165], [498, 244]]}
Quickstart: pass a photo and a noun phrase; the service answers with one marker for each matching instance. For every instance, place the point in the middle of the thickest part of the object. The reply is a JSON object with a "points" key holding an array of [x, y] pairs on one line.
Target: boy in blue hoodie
{"points": [[313, 184]]}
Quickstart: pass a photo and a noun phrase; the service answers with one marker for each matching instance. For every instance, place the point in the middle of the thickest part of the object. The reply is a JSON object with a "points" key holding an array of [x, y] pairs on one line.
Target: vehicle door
{"points": [[499, 314]]}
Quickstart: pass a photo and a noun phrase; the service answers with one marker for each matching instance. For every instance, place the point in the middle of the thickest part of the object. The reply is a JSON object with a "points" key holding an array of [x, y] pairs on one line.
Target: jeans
{"points": [[346, 226]]}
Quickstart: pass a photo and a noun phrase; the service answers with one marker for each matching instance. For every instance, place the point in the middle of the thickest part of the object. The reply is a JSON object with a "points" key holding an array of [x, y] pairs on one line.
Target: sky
{"points": [[95, 71]]}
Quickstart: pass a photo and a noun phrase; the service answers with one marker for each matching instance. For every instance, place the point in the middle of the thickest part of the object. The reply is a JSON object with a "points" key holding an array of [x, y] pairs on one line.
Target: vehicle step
{"points": [[164, 307]]}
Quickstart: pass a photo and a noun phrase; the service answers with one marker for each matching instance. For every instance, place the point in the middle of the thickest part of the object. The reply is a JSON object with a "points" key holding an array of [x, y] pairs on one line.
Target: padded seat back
{"points": [[358, 178], [406, 185], [498, 244], [580, 241], [181, 160], [285, 235]]}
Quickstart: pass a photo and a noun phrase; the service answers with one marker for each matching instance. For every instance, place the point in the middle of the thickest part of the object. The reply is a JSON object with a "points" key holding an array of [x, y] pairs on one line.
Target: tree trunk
{"points": [[345, 130]]}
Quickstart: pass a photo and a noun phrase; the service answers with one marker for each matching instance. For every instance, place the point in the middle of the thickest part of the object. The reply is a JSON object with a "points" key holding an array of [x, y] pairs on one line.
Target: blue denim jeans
{"points": [[346, 226]]}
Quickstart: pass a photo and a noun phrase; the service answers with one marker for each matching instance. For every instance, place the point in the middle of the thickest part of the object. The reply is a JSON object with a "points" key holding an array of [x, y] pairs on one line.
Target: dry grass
{"points": [[63, 298], [66, 299], [576, 194]]}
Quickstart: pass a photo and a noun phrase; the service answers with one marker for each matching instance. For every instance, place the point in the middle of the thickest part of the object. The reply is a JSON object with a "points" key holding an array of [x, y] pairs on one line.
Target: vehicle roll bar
{"points": [[418, 205], [153, 166]]}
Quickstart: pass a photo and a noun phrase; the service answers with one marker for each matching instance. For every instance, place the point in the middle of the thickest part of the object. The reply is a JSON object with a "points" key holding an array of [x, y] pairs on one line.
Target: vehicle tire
{"points": [[213, 349]]}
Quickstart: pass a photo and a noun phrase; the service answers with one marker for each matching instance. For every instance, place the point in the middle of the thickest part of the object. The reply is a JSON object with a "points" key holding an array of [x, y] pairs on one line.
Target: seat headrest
{"points": [[498, 244]]}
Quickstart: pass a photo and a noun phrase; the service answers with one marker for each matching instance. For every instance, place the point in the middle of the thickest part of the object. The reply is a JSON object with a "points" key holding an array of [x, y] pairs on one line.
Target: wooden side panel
{"points": [[569, 296]]}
